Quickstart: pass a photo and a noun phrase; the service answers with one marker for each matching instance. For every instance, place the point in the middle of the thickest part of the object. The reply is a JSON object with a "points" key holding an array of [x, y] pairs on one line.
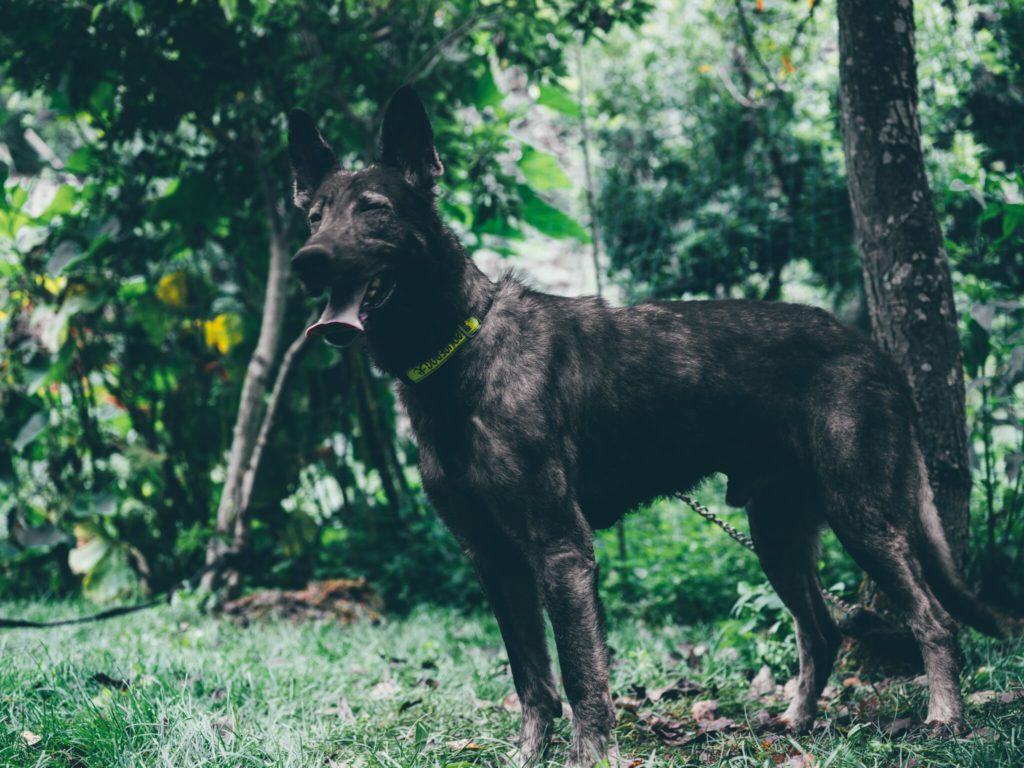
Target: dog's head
{"points": [[363, 232]]}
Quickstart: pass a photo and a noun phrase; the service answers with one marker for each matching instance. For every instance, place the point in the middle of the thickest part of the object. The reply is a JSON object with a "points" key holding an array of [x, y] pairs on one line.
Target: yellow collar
{"points": [[466, 330]]}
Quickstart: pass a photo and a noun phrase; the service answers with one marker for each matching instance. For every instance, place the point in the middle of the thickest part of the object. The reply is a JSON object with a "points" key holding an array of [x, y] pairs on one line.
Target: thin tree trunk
{"points": [[251, 405], [595, 222], [595, 229], [240, 540], [906, 271]]}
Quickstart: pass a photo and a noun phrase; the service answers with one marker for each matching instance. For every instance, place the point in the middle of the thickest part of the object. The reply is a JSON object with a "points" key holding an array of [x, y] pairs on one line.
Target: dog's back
{"points": [[650, 399]]}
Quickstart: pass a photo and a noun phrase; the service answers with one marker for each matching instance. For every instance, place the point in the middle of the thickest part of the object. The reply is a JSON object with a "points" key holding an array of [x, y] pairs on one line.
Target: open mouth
{"points": [[347, 311]]}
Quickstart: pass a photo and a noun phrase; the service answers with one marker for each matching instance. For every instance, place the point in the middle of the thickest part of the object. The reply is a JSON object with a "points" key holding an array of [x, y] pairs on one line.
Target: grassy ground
{"points": [[170, 688]]}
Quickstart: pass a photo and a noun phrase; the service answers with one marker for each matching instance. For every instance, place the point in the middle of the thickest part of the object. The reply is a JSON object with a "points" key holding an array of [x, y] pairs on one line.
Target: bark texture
{"points": [[250, 416], [906, 271]]}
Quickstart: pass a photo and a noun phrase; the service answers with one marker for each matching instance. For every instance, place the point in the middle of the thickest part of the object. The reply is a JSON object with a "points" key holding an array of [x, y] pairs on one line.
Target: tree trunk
{"points": [[250, 412], [906, 271]]}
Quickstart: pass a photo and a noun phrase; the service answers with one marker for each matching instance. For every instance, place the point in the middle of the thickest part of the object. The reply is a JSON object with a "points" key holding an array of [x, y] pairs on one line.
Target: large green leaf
{"points": [[542, 170], [547, 219], [556, 97], [105, 568], [486, 92]]}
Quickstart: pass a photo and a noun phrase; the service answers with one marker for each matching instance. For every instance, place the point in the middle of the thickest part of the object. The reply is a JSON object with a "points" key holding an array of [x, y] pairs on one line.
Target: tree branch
{"points": [[748, 37], [297, 346]]}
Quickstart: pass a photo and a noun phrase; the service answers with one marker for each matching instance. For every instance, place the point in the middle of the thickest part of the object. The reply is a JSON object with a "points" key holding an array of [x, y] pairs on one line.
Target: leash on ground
{"points": [[122, 610], [746, 541]]}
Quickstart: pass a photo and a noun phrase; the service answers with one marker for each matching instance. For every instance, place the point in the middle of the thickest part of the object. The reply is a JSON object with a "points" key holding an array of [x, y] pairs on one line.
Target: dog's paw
{"points": [[940, 729], [591, 751], [610, 759], [790, 722]]}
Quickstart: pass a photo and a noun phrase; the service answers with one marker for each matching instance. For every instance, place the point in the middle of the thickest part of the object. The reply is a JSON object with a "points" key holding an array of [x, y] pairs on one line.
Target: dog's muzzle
{"points": [[347, 311]]}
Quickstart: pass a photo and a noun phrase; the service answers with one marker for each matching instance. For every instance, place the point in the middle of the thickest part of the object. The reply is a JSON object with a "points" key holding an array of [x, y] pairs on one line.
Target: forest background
{"points": [[636, 149]]}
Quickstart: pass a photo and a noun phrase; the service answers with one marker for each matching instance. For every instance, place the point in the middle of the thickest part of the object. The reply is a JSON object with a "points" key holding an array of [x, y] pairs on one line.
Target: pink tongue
{"points": [[340, 313]]}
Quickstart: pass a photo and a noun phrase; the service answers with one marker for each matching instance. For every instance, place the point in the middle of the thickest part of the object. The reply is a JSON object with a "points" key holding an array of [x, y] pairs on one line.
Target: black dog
{"points": [[541, 418]]}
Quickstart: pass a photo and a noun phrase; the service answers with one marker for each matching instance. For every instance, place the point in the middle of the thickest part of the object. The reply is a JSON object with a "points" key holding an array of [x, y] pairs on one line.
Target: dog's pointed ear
{"points": [[407, 140], [312, 157]]}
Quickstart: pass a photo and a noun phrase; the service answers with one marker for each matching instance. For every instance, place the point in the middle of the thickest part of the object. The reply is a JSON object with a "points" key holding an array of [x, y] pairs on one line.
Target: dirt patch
{"points": [[337, 600]]}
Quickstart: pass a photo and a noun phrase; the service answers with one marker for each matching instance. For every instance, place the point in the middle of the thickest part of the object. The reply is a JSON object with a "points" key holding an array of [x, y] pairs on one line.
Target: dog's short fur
{"points": [[564, 413]]}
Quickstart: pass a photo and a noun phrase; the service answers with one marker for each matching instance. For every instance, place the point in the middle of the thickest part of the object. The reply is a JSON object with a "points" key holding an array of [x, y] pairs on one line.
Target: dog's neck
{"points": [[428, 306]]}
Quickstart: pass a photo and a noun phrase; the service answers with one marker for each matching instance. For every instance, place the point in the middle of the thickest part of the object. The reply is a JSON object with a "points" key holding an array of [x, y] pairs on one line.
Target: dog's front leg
{"points": [[569, 577], [512, 591]]}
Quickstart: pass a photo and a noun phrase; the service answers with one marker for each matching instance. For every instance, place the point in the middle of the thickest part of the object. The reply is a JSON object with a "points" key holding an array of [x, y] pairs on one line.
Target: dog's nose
{"points": [[310, 265], [310, 260]]}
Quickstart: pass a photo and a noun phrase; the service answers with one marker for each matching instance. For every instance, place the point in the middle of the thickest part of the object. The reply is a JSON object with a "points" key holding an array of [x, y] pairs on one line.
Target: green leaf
{"points": [[81, 161], [499, 226], [547, 219], [421, 737], [1011, 218], [486, 92], [62, 203], [108, 574], [19, 196], [559, 99], [85, 557], [64, 255], [30, 430], [542, 170]]}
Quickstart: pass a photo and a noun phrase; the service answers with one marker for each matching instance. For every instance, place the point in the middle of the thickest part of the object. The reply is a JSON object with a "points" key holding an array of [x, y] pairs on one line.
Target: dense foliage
{"points": [[723, 175], [144, 167]]}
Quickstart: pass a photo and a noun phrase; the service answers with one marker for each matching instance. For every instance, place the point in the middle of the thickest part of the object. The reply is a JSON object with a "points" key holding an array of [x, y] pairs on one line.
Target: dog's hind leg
{"points": [[786, 540], [891, 558], [878, 524]]}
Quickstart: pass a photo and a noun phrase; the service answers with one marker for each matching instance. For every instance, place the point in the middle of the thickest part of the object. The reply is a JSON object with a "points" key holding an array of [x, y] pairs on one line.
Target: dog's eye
{"points": [[373, 203], [314, 218]]}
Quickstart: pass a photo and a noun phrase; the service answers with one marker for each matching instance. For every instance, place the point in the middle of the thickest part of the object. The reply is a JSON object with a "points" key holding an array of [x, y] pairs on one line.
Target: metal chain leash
{"points": [[746, 541]]}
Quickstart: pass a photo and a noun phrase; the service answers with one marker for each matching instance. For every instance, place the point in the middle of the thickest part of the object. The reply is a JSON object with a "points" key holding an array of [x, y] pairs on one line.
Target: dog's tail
{"points": [[941, 572]]}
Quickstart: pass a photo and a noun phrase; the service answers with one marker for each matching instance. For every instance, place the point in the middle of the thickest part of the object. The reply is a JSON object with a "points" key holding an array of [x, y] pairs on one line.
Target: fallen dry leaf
{"points": [[462, 744], [899, 726], [670, 732], [981, 697], [385, 689], [31, 739], [704, 710], [800, 760], [763, 683], [628, 703], [344, 711], [677, 690], [717, 725], [984, 733]]}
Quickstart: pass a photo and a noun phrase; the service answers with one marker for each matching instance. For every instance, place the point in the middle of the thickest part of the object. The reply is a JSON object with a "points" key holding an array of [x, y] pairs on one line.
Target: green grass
{"points": [[204, 692]]}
